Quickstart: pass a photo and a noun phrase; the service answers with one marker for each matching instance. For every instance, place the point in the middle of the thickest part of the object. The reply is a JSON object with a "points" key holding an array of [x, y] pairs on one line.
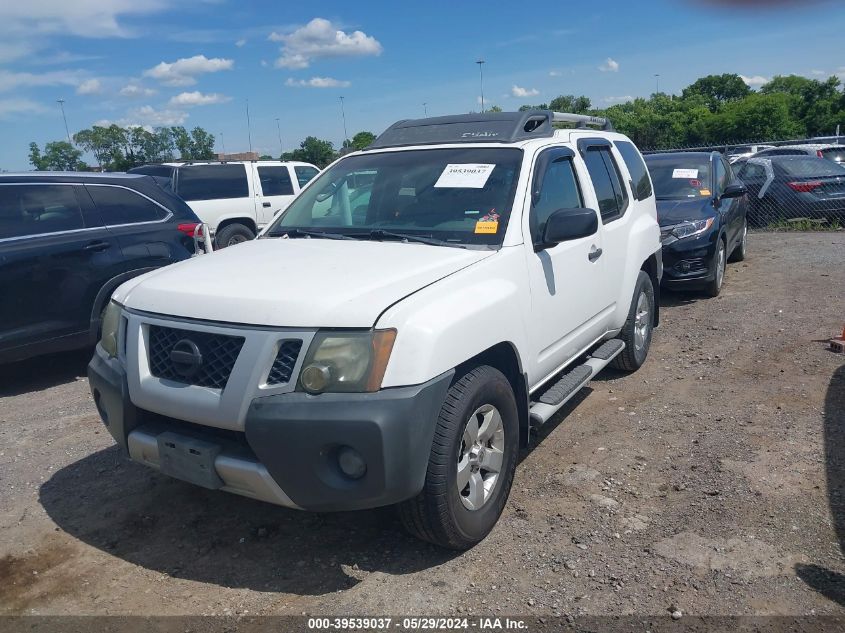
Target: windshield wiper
{"points": [[380, 234], [306, 233]]}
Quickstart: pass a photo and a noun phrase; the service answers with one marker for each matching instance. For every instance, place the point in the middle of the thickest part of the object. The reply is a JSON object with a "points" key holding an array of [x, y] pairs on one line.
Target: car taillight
{"points": [[804, 187], [188, 228]]}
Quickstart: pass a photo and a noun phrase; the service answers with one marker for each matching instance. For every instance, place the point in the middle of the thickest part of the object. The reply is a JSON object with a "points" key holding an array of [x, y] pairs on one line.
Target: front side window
{"points": [[460, 196], [38, 209], [559, 190], [677, 177], [721, 177], [275, 181], [304, 174], [636, 167], [212, 182], [118, 205], [611, 193]]}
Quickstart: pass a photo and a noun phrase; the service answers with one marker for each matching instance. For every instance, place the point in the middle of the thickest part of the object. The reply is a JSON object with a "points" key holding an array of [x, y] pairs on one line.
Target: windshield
{"points": [[679, 177], [458, 196]]}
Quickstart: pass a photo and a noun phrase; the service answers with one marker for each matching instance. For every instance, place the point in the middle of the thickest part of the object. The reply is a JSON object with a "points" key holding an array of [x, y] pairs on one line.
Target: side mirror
{"points": [[734, 190], [568, 224]]}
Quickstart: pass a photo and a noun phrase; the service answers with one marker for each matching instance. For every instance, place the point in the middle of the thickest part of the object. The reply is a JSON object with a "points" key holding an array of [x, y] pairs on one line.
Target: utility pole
{"points": [[480, 63], [343, 113], [223, 143], [279, 130], [61, 103], [425, 109], [248, 126], [656, 83]]}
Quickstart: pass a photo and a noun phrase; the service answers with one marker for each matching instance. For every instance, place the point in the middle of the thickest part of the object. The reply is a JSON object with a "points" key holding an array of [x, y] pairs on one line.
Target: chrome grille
{"points": [[282, 368], [219, 353]]}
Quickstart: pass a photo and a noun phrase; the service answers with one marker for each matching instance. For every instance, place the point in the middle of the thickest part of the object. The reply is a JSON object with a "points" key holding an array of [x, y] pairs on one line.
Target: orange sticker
{"points": [[704, 192], [486, 226]]}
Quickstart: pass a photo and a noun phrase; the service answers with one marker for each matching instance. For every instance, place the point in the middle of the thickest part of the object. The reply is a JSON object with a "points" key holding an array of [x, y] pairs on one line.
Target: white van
{"points": [[236, 199]]}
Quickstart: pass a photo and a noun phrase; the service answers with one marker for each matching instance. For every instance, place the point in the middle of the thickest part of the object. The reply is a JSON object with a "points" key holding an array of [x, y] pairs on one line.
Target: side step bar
{"points": [[570, 383]]}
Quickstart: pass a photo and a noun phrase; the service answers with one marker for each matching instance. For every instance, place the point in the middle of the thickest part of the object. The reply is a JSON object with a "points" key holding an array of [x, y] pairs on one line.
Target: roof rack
{"points": [[487, 127]]}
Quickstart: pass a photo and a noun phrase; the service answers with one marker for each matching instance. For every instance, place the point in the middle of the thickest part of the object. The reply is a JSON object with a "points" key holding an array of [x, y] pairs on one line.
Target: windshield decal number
{"points": [[465, 175]]}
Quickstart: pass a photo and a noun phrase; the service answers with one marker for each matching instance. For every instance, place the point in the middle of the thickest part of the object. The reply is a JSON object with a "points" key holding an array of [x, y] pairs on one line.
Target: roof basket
{"points": [[487, 127]]}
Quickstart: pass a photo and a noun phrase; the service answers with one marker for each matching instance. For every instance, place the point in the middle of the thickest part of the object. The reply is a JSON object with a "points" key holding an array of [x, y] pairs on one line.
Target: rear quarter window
{"points": [[636, 167], [119, 205], [304, 174], [212, 182]]}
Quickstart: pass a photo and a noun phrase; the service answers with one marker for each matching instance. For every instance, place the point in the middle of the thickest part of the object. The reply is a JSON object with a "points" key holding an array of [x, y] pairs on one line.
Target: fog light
{"points": [[351, 463], [315, 378]]}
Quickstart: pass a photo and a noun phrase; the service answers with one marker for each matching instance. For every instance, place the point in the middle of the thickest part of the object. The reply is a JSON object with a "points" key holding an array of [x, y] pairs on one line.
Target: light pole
{"points": [[279, 130], [425, 109], [248, 126], [61, 103], [480, 63], [223, 143], [656, 83], [343, 114]]}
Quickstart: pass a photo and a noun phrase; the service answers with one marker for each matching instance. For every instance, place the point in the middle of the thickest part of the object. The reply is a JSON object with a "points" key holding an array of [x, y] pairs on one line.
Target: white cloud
{"points": [[241, 42], [818, 73], [183, 71], [756, 80], [89, 87], [148, 115], [624, 99], [11, 107], [517, 91], [554, 73], [11, 80], [609, 66], [320, 38], [317, 82], [134, 91], [10, 51], [196, 98], [83, 18]]}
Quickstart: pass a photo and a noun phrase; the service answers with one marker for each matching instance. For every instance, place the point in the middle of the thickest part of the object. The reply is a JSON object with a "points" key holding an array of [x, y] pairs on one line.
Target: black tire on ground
{"points": [[638, 328], [740, 249], [720, 259], [438, 514], [232, 234]]}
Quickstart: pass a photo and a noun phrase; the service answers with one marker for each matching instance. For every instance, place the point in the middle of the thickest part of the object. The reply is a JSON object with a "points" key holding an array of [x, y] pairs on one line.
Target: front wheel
{"points": [[471, 464], [714, 286], [638, 328]]}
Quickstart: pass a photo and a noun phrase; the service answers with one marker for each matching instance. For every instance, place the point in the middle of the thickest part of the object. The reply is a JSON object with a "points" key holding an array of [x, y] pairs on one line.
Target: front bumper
{"points": [[288, 452], [689, 262]]}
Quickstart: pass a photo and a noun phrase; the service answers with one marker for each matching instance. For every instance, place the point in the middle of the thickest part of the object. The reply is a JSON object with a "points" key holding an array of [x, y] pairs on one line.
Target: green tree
{"points": [[314, 150], [202, 144], [570, 103], [494, 108], [58, 156], [362, 140], [718, 90], [818, 105], [108, 144]]}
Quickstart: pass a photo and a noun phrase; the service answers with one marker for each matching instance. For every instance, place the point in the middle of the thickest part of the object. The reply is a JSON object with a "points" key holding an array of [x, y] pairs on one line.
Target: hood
{"points": [[303, 283], [676, 211]]}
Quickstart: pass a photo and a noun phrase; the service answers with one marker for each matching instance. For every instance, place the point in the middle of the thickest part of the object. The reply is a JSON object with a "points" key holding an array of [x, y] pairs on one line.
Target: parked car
{"points": [[235, 199], [395, 350], [701, 208], [788, 187], [740, 152], [67, 240], [835, 153]]}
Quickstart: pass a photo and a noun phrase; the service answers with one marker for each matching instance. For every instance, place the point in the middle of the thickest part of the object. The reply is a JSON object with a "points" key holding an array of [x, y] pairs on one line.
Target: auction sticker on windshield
{"points": [[465, 175], [685, 173]]}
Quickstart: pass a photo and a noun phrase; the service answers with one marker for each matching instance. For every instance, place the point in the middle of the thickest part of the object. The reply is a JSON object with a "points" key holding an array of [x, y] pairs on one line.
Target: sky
{"points": [[201, 62]]}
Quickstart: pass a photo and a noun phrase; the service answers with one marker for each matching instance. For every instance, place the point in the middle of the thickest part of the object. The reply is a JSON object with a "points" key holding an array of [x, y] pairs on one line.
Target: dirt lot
{"points": [[710, 481]]}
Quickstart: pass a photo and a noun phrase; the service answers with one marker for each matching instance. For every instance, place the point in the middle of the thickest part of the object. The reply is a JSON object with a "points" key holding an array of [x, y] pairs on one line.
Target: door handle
{"points": [[96, 246], [265, 204], [594, 254]]}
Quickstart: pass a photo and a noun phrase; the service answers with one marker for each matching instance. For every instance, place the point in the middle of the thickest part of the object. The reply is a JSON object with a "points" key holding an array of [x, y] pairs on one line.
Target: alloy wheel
{"points": [[480, 457]]}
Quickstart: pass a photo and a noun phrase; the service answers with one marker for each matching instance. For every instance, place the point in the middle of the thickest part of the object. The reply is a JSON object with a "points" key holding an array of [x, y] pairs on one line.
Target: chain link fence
{"points": [[798, 183]]}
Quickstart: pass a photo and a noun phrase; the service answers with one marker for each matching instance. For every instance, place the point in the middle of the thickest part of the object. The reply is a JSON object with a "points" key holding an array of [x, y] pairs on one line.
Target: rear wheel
{"points": [[714, 287], [638, 328], [471, 464], [739, 250], [232, 234]]}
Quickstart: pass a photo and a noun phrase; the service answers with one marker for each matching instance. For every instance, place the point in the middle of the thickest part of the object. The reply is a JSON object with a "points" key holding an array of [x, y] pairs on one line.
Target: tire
{"points": [[441, 513], [638, 328], [232, 234], [740, 249], [714, 286]]}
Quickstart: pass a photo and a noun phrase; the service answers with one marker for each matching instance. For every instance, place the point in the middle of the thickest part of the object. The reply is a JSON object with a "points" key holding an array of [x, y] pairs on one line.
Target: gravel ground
{"points": [[710, 482]]}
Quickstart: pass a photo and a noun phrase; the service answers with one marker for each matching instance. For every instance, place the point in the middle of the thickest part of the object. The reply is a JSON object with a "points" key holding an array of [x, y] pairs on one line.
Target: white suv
{"points": [[236, 199], [394, 335]]}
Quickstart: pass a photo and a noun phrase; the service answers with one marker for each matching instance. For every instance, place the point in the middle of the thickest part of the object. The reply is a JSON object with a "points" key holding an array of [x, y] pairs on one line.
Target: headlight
{"points": [[346, 361], [109, 328], [690, 228]]}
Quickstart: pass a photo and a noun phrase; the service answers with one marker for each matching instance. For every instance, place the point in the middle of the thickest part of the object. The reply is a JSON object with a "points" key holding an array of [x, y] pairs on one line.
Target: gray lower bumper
{"points": [[288, 453]]}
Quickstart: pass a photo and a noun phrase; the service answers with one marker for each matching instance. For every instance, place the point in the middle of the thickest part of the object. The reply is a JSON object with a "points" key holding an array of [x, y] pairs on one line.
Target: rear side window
{"points": [[611, 193], [637, 169], [275, 181], [752, 171], [124, 206], [38, 209], [304, 174], [212, 182]]}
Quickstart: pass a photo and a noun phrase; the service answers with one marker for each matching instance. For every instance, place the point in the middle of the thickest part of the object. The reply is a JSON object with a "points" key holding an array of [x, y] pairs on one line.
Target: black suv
{"points": [[67, 240]]}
